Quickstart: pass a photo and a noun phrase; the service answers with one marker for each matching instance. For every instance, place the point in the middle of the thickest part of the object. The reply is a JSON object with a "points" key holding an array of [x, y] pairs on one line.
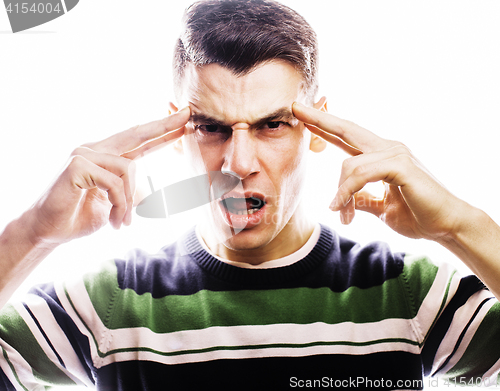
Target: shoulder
{"points": [[143, 272], [362, 265]]}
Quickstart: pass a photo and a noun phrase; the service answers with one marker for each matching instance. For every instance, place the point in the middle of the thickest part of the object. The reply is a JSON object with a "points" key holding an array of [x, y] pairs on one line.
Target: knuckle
{"points": [[350, 164], [405, 160], [347, 164], [399, 147], [88, 145], [166, 121], [77, 162], [133, 128], [134, 132], [345, 125], [79, 150], [117, 183], [360, 171], [128, 167]]}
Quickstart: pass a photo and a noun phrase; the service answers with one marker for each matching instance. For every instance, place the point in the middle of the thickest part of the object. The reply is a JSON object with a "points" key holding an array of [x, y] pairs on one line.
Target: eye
{"points": [[275, 125], [208, 128]]}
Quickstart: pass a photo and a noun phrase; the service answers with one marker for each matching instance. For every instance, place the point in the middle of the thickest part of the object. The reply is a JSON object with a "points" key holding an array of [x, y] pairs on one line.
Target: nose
{"points": [[240, 155]]}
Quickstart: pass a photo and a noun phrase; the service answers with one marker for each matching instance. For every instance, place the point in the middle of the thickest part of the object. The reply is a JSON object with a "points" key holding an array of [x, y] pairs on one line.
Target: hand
{"points": [[415, 204], [98, 183]]}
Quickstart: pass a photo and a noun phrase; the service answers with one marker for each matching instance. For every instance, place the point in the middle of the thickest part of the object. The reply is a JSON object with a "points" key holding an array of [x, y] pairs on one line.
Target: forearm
{"points": [[477, 244], [19, 255]]}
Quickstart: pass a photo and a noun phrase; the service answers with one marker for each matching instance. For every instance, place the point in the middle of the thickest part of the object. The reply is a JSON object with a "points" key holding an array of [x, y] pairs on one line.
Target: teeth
{"points": [[237, 206], [246, 212]]}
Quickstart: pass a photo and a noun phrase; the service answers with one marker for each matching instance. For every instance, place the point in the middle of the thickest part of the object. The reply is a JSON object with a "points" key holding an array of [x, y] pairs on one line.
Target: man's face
{"points": [[244, 126]]}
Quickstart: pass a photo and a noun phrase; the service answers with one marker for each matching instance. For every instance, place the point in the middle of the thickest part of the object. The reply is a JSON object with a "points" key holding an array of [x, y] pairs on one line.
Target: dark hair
{"points": [[242, 34]]}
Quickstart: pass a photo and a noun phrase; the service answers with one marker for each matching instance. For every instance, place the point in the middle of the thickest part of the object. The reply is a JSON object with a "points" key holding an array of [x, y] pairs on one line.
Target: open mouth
{"points": [[243, 206]]}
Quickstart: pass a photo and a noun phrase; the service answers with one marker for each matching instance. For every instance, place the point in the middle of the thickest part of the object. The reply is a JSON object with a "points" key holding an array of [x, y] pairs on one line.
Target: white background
{"points": [[425, 73]]}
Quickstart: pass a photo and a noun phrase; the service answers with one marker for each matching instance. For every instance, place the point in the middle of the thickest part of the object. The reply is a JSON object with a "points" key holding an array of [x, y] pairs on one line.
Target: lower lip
{"points": [[242, 221]]}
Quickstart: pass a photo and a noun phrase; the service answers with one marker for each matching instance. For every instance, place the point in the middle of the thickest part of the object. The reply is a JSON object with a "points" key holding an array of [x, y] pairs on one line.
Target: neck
{"points": [[290, 239]]}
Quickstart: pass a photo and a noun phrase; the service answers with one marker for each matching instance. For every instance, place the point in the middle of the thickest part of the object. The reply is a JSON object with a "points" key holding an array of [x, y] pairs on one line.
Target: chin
{"points": [[249, 239]]}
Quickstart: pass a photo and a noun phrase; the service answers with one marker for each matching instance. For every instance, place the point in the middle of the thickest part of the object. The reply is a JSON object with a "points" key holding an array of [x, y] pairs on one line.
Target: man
{"points": [[259, 295]]}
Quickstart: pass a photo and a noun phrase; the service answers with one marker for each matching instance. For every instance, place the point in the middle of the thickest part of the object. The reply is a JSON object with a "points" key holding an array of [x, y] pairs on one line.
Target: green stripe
{"points": [[483, 350], [420, 273], [297, 305], [128, 300], [243, 347], [101, 288], [119, 308], [6, 356], [15, 332], [265, 346]]}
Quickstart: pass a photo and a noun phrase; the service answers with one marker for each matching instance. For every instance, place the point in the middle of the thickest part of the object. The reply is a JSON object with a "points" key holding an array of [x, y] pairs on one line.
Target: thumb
{"points": [[367, 202]]}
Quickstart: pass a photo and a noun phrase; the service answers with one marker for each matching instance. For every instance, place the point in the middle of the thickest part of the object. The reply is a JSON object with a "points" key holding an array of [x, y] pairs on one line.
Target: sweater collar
{"points": [[259, 277]]}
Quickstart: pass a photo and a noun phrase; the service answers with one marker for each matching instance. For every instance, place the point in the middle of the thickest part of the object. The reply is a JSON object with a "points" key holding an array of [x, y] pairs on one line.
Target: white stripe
{"points": [[57, 337], [251, 335], [59, 288], [460, 320], [259, 353], [22, 368], [36, 333], [5, 367], [237, 335], [35, 330], [431, 305]]}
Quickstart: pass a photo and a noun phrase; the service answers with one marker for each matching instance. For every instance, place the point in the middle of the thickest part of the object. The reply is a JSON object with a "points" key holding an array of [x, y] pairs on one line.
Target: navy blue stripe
{"points": [[45, 335], [79, 342], [467, 287], [273, 373], [335, 263], [5, 383]]}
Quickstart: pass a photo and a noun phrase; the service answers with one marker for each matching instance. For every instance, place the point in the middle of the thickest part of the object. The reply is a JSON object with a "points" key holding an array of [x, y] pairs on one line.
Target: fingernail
{"points": [[334, 205], [128, 218]]}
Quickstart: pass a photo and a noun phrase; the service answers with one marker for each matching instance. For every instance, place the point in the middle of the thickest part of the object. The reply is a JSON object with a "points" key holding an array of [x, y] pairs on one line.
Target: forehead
{"points": [[216, 92]]}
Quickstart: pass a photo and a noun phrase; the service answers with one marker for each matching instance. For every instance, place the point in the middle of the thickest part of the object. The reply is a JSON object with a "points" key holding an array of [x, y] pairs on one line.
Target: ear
{"points": [[317, 144], [172, 108], [178, 143]]}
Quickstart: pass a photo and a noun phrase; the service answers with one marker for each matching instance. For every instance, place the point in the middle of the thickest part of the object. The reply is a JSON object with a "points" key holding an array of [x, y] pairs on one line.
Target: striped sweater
{"points": [[183, 319]]}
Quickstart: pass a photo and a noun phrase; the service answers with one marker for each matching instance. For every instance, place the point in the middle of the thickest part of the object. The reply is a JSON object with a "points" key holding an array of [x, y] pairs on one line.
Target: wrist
{"points": [[20, 253], [22, 232], [472, 238], [468, 223]]}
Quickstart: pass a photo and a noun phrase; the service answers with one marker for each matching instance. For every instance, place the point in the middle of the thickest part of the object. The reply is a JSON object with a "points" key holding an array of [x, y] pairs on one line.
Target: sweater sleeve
{"points": [[41, 345], [458, 319]]}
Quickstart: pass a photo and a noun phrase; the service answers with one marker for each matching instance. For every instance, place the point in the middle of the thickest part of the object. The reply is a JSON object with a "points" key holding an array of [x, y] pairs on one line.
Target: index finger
{"points": [[350, 133], [133, 138]]}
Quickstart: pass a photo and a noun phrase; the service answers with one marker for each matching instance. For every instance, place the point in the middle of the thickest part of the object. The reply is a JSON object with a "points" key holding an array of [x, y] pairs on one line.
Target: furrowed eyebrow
{"points": [[203, 119], [284, 114]]}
